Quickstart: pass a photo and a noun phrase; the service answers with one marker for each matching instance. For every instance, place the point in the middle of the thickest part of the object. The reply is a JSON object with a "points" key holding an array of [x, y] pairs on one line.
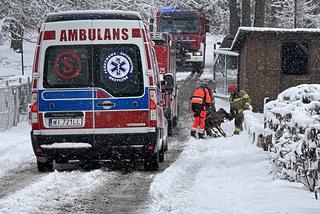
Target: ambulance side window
{"points": [[118, 69], [67, 67]]}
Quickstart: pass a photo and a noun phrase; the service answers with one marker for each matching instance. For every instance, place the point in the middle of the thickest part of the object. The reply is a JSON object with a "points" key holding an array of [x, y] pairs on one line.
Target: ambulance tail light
{"points": [[153, 108], [33, 116]]}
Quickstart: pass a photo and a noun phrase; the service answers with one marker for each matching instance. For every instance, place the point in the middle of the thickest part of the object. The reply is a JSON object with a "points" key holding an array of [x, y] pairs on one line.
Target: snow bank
{"points": [[15, 149], [253, 124], [292, 134], [226, 175]]}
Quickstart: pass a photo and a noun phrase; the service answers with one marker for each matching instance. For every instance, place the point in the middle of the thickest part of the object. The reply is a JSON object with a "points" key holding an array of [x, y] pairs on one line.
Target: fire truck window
{"points": [[190, 25], [67, 67], [294, 58], [118, 70]]}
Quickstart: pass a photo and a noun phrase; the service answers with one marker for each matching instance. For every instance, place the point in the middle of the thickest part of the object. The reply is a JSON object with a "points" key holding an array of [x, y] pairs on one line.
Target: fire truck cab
{"points": [[96, 91], [165, 48], [188, 29]]}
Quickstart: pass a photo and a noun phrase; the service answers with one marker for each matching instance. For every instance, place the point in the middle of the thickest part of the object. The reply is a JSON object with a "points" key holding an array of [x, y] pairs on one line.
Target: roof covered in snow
{"points": [[243, 32], [92, 14]]}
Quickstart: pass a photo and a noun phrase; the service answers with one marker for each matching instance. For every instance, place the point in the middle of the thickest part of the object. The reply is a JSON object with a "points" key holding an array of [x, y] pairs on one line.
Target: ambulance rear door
{"points": [[122, 102], [66, 91]]}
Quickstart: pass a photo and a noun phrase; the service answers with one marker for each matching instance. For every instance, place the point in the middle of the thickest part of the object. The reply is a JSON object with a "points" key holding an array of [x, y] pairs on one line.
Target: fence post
{"points": [[226, 74], [214, 65]]}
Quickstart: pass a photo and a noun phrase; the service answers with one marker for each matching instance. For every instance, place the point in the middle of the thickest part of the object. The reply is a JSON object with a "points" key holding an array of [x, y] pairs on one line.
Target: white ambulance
{"points": [[95, 91]]}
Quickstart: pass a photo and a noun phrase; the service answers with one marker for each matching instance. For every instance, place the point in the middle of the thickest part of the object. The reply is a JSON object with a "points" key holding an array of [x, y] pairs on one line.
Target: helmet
{"points": [[232, 88], [202, 84]]}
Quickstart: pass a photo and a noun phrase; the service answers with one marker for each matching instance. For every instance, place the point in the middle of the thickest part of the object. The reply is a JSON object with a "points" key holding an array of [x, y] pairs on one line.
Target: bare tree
{"points": [[245, 13], [234, 21], [259, 13]]}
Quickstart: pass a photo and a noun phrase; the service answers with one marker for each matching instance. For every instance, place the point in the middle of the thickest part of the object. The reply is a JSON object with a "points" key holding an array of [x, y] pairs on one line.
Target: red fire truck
{"points": [[188, 29], [165, 49]]}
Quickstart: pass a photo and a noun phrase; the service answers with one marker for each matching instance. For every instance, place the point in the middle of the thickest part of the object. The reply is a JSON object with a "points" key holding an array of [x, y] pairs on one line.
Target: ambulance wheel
{"points": [[45, 167], [170, 127], [161, 153], [152, 162], [176, 118]]}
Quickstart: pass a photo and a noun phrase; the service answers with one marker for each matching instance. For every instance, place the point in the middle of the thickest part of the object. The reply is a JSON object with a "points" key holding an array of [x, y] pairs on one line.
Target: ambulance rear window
{"points": [[67, 67], [118, 69]]}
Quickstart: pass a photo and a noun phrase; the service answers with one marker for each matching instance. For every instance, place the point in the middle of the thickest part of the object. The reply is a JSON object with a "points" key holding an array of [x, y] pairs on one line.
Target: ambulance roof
{"points": [[92, 14]]}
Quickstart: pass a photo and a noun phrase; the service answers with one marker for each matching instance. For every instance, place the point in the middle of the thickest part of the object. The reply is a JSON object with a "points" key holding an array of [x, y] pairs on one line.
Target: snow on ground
{"points": [[53, 191], [15, 149], [227, 175], [183, 75]]}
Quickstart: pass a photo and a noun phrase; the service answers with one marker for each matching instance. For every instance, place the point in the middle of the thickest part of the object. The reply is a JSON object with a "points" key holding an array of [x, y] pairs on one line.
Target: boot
{"points": [[193, 133], [201, 136]]}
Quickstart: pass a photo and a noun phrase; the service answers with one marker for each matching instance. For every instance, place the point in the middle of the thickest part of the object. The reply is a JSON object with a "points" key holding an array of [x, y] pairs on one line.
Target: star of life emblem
{"points": [[118, 66]]}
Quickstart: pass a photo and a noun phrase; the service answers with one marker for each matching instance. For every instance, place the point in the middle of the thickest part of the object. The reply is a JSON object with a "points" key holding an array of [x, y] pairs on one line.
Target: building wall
{"points": [[260, 66]]}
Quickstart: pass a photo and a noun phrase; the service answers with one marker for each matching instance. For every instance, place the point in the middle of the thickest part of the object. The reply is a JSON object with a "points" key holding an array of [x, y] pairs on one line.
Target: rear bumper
{"points": [[103, 146]]}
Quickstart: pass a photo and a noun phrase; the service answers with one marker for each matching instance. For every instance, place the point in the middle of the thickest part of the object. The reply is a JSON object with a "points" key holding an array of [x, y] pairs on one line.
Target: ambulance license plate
{"points": [[65, 122]]}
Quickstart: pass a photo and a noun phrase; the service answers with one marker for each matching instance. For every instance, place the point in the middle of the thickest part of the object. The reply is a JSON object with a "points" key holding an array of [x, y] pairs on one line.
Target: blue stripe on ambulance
{"points": [[76, 100]]}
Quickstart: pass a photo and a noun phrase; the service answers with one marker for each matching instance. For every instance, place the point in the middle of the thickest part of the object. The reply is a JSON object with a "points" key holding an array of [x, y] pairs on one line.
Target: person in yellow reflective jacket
{"points": [[239, 101]]}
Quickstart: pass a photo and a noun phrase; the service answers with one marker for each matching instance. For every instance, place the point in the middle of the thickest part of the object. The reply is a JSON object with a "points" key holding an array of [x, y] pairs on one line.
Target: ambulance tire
{"points": [[151, 163], [170, 127], [45, 166], [161, 154], [176, 118]]}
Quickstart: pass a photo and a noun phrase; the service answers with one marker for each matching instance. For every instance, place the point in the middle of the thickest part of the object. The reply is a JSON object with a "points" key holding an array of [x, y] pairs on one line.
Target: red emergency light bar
{"points": [[136, 33], [49, 35]]}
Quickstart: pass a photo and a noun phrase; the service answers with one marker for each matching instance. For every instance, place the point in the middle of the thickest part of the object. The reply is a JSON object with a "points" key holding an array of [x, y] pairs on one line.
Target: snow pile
{"points": [[292, 134], [253, 125], [226, 175], [15, 149]]}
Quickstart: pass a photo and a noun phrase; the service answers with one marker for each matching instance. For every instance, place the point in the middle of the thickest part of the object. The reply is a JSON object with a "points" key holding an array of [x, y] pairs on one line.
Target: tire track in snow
{"points": [[53, 190]]}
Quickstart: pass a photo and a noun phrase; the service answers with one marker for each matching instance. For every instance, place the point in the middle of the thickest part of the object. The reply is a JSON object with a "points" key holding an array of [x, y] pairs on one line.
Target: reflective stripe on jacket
{"points": [[198, 96], [240, 101]]}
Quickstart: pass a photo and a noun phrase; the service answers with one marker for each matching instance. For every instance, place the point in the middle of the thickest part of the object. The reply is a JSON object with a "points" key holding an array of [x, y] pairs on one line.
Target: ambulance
{"points": [[96, 92]]}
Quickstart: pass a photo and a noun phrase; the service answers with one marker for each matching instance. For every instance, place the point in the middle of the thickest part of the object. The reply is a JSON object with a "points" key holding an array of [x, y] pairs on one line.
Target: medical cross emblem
{"points": [[118, 67]]}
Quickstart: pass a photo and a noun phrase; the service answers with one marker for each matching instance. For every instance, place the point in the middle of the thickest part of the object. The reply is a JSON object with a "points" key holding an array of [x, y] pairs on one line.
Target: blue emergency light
{"points": [[169, 10]]}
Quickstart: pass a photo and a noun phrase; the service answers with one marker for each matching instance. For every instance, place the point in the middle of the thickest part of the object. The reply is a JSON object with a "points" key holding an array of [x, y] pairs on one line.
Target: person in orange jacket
{"points": [[200, 102]]}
